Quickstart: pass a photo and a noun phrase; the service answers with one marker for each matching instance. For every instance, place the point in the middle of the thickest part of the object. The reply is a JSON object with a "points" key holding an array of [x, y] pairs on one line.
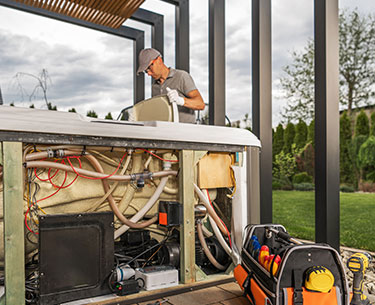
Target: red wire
{"points": [[66, 173], [48, 174], [58, 189], [156, 155], [27, 226], [230, 240], [96, 178]]}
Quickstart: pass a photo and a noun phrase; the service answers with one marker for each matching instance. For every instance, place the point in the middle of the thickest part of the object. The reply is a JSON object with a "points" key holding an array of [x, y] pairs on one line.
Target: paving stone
{"points": [[232, 288], [206, 296], [236, 301]]}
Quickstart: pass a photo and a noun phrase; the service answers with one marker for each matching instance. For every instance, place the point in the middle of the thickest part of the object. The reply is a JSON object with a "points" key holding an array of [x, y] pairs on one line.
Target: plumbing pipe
{"points": [[220, 237], [111, 190], [48, 164], [145, 208], [112, 202], [210, 209], [206, 250]]}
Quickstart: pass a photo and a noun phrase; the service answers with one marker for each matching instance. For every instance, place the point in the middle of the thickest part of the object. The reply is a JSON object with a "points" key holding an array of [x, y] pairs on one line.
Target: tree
{"points": [[357, 69], [108, 116], [289, 137], [366, 158], [92, 114], [311, 133], [362, 125], [347, 174], [1, 98], [278, 140], [72, 110], [372, 120], [43, 81], [301, 134]]}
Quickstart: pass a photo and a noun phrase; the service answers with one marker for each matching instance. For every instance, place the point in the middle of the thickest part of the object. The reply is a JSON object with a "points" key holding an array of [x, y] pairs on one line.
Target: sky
{"points": [[90, 70]]}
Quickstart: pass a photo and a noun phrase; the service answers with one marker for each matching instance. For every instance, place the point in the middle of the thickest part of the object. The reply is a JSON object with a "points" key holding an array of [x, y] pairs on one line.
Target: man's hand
{"points": [[174, 97]]}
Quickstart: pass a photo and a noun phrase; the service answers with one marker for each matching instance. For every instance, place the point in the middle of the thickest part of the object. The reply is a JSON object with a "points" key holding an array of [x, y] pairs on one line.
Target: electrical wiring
{"points": [[97, 178], [156, 156]]}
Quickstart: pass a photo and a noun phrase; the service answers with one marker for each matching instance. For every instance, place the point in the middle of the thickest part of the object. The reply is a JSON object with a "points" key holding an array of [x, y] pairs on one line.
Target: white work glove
{"points": [[174, 97]]}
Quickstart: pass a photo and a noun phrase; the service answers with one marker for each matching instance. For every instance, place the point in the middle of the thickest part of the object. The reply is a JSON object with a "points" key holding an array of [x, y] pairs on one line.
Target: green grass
{"points": [[295, 210]]}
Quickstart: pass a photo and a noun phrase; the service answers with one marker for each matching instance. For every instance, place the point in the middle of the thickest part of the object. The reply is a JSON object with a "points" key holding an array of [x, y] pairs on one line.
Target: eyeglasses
{"points": [[150, 65]]}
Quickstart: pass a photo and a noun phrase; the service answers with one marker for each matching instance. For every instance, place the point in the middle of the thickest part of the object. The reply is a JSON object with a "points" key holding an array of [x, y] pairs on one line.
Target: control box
{"points": [[156, 277]]}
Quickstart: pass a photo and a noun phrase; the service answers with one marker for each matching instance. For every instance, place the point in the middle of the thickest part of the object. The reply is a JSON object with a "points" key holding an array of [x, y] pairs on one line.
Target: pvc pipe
{"points": [[145, 208], [206, 250], [209, 208]]}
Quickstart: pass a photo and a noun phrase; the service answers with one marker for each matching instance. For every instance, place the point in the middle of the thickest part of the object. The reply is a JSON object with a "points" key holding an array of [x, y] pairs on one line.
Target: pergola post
{"points": [[262, 99], [216, 108], [327, 156]]}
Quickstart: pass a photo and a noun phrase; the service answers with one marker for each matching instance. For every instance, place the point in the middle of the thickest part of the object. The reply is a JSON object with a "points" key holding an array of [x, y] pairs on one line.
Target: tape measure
{"points": [[319, 279]]}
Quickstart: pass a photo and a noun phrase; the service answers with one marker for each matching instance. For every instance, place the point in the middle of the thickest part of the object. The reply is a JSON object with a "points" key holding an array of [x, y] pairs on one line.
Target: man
{"points": [[177, 84]]}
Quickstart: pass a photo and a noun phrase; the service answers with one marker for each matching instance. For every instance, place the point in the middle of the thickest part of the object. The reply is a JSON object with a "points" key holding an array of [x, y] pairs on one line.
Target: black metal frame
{"points": [[262, 99], [182, 33], [136, 35], [327, 130], [216, 110]]}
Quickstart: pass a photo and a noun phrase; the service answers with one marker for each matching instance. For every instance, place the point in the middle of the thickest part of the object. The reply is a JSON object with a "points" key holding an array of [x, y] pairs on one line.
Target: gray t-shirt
{"points": [[183, 83]]}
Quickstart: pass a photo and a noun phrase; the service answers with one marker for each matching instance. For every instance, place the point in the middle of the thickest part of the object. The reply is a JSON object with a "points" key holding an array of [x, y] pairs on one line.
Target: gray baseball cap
{"points": [[144, 58]]}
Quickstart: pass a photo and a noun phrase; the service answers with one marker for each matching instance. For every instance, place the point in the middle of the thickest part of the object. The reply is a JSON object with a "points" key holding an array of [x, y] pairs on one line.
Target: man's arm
{"points": [[194, 100]]}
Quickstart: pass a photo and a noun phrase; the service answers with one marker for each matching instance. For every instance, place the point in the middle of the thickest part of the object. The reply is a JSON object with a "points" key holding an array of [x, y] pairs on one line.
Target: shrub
{"points": [[367, 186], [306, 160], [301, 134], [289, 134], [302, 178], [304, 186], [346, 188], [347, 174], [278, 140], [311, 133], [366, 156], [362, 124], [372, 126]]}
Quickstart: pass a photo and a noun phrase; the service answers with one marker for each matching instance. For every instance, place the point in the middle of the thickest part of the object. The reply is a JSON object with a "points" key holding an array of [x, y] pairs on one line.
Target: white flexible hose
{"points": [[209, 208], [206, 250], [220, 237], [145, 208]]}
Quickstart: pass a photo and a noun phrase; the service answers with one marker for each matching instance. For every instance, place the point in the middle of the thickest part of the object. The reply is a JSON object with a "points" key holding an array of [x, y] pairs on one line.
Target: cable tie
{"points": [[61, 153], [112, 149], [34, 147], [83, 150], [50, 153]]}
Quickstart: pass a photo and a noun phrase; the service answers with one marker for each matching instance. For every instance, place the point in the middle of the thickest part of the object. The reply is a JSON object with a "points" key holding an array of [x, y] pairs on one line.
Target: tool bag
{"points": [[305, 274]]}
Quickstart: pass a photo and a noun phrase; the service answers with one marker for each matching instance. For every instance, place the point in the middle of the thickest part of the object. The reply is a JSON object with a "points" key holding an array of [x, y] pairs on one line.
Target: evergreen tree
{"points": [[72, 110], [108, 116], [311, 133], [301, 134], [366, 159], [347, 174], [372, 128], [92, 114], [32, 106], [278, 140], [362, 125], [51, 107], [289, 135]]}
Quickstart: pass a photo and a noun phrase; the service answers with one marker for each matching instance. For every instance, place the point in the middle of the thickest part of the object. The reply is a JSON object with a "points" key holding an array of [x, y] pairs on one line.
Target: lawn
{"points": [[295, 210]]}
